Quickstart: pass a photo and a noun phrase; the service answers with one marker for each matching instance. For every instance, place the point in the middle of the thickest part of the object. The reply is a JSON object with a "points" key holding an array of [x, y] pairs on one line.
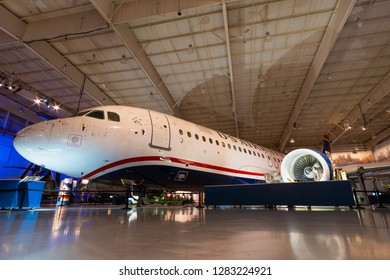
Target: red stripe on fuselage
{"points": [[176, 160]]}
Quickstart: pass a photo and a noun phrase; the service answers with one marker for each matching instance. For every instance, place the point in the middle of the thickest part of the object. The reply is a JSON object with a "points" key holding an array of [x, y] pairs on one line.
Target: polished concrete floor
{"points": [[185, 233]]}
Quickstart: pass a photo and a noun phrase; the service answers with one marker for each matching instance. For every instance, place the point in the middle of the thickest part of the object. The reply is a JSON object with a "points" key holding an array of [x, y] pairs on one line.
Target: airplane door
{"points": [[161, 131]]}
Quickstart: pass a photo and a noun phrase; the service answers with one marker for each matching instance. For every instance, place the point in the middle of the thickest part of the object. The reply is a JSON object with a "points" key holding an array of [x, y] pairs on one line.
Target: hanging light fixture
{"points": [[261, 77], [47, 102], [347, 125], [10, 82], [364, 125], [268, 37], [358, 22]]}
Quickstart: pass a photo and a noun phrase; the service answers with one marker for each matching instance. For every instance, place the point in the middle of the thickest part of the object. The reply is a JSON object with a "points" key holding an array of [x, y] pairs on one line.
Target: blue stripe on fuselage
{"points": [[175, 178]]}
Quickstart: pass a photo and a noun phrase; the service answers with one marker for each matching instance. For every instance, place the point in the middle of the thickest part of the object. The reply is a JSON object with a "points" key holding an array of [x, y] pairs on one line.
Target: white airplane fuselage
{"points": [[120, 142]]}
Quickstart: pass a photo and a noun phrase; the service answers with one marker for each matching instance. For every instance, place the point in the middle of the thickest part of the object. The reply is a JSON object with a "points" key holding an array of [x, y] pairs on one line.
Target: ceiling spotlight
{"points": [[190, 49], [262, 83], [347, 125], [56, 107], [268, 37], [123, 59], [292, 141], [364, 126], [64, 68], [328, 76], [359, 22], [10, 82], [296, 126]]}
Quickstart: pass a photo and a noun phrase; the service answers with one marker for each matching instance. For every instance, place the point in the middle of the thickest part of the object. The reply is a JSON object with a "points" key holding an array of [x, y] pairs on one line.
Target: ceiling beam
{"points": [[340, 16], [131, 10], [379, 138], [10, 105], [74, 24], [380, 91], [56, 60], [126, 35], [37, 32], [11, 24], [229, 56], [6, 39]]}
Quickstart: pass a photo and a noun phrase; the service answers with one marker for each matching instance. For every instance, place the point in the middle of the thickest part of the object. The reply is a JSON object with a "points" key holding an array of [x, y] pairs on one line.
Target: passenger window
{"points": [[234, 147], [217, 142], [229, 146], [113, 117], [97, 114], [196, 136], [180, 132], [223, 144], [211, 141], [189, 134], [204, 139]]}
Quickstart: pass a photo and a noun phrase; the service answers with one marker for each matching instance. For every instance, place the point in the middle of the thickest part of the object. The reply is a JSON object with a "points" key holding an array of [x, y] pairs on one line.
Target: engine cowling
{"points": [[303, 165]]}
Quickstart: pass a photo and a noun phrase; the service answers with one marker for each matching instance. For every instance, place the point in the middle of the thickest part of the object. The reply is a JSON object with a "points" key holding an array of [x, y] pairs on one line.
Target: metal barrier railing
{"points": [[63, 197], [375, 197]]}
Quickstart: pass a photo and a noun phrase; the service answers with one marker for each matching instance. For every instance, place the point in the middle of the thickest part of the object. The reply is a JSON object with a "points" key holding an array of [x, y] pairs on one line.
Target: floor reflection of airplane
{"points": [[114, 142]]}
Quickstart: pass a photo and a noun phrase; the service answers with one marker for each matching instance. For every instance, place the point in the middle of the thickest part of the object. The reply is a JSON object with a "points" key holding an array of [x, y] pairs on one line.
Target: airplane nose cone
{"points": [[30, 140]]}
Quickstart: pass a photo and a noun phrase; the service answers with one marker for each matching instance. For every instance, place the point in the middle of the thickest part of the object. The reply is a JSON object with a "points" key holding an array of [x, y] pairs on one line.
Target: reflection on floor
{"points": [[108, 232]]}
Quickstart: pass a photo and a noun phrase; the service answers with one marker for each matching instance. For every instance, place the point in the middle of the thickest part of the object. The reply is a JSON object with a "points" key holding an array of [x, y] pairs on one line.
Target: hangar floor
{"points": [[108, 232]]}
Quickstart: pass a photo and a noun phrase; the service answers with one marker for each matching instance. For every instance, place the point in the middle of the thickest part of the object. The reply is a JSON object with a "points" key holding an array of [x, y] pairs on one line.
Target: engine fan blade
{"points": [[307, 168]]}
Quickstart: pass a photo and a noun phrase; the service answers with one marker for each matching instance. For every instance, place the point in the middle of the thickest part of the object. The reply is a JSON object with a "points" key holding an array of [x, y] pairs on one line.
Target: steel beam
{"points": [[80, 23], [129, 39], [37, 32], [340, 16], [229, 57], [11, 24], [56, 60], [132, 10], [379, 138], [380, 91]]}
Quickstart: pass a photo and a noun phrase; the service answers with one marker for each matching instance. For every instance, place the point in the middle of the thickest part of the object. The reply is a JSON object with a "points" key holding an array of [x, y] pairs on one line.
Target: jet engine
{"points": [[303, 165]]}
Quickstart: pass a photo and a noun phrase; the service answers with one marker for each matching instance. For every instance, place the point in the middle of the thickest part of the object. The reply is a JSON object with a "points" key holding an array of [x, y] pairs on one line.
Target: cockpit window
{"points": [[113, 117], [97, 114]]}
